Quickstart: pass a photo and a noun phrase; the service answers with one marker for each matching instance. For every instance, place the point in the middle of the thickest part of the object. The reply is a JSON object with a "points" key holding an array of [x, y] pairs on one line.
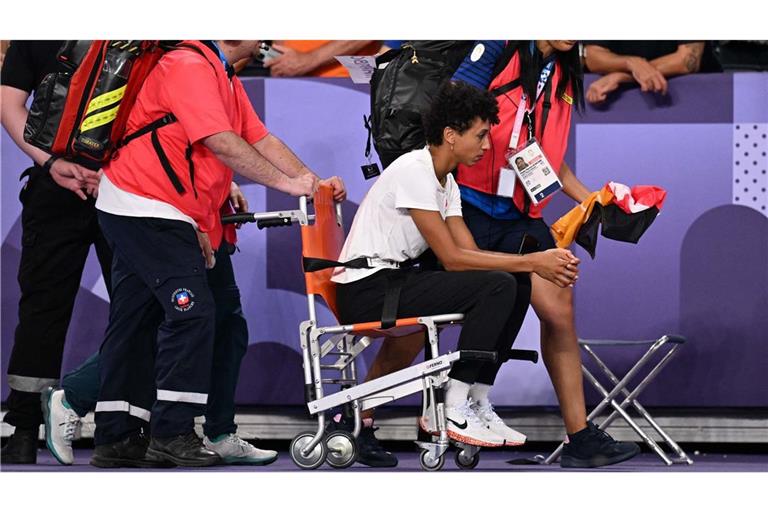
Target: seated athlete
{"points": [[414, 206]]}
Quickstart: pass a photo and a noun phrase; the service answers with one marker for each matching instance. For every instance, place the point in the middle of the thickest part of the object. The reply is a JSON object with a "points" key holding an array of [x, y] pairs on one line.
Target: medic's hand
{"points": [[239, 202], [205, 247], [93, 189], [559, 266], [73, 177], [339, 190], [303, 185]]}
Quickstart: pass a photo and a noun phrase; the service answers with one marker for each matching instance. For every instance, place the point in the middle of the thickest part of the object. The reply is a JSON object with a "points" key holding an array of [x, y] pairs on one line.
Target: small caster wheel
{"points": [[465, 462], [341, 449], [429, 463], [313, 459]]}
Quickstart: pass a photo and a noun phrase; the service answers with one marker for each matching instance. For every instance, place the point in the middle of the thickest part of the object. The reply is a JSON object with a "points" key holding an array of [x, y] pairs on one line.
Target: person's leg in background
{"points": [[230, 346], [586, 445], [394, 354], [560, 350], [63, 408], [559, 344], [56, 236]]}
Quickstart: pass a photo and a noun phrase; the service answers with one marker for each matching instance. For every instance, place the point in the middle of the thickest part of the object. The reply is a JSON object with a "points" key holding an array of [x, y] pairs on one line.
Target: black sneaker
{"points": [[369, 451], [21, 448], [182, 450], [130, 452], [592, 448]]}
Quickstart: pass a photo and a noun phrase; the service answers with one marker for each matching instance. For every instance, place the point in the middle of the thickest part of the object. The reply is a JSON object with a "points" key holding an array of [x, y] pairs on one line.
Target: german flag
{"points": [[624, 213]]}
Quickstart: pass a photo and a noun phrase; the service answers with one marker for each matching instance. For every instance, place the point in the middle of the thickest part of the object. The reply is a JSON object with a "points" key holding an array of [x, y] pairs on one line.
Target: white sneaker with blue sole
{"points": [[61, 425], [236, 451]]}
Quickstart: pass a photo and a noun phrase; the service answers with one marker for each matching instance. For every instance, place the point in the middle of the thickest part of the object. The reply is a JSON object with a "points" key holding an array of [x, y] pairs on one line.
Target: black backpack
{"points": [[402, 87]]}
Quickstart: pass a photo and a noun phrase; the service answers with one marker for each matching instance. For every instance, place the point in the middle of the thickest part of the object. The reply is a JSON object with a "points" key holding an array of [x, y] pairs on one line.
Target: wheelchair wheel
{"points": [[429, 463], [341, 449], [465, 462], [314, 459]]}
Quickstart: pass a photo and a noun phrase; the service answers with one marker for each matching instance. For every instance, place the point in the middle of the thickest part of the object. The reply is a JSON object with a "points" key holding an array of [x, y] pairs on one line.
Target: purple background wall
{"points": [[701, 270]]}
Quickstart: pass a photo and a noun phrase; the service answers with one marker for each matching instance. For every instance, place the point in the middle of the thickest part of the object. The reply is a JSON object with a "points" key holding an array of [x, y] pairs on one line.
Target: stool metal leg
{"points": [[608, 396], [619, 409], [631, 399]]}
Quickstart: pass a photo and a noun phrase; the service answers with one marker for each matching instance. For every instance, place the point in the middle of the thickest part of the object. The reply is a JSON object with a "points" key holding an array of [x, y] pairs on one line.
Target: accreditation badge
{"points": [[507, 178], [534, 172]]}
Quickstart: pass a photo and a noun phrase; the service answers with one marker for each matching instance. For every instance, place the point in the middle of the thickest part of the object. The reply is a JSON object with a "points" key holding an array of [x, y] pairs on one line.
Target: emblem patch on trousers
{"points": [[182, 299]]}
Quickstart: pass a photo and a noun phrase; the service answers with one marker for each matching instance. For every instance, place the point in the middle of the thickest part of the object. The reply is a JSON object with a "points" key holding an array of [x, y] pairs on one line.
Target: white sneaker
{"points": [[61, 425], [236, 451], [464, 426], [488, 416]]}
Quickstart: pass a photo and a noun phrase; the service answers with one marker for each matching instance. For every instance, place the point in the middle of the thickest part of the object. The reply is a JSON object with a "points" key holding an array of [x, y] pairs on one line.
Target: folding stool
{"points": [[671, 343]]}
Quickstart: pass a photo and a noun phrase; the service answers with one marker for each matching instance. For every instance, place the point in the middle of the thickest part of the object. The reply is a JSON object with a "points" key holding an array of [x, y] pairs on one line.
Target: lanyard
{"points": [[522, 107], [222, 57]]}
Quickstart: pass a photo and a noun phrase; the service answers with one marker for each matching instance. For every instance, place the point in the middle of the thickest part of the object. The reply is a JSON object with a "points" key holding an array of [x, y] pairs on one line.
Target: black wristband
{"points": [[48, 163]]}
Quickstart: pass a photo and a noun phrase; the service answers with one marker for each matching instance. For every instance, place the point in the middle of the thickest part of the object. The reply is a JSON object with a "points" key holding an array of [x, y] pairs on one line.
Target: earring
{"points": [[451, 146]]}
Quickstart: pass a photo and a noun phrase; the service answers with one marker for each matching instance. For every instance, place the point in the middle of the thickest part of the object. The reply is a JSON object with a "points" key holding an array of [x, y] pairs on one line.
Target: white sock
{"points": [[479, 393], [456, 392]]}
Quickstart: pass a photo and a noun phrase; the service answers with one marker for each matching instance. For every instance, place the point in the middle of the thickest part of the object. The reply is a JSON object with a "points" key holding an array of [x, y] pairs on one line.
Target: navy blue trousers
{"points": [[159, 285], [81, 385], [498, 235]]}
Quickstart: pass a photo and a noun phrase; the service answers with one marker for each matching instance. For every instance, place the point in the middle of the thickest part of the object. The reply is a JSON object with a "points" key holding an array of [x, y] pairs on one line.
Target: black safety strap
{"points": [[395, 282], [315, 264], [505, 88]]}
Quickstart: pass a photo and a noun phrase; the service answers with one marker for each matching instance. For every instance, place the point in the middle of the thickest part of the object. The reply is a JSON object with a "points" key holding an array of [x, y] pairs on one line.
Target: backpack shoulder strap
{"points": [[184, 46], [506, 55]]}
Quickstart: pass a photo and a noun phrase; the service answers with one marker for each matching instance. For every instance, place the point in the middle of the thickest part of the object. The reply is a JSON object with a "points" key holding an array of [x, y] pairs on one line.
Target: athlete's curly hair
{"points": [[456, 105]]}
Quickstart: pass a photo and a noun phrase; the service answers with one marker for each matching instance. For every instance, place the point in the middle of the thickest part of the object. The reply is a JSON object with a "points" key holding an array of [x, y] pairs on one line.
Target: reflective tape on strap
{"points": [[30, 384], [121, 406], [182, 396]]}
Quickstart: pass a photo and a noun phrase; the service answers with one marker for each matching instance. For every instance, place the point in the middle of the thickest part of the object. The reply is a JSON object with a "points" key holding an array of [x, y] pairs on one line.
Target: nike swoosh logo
{"points": [[462, 426]]}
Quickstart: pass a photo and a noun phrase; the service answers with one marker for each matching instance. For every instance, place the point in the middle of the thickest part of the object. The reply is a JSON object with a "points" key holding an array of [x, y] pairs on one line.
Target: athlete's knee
{"points": [[502, 283]]}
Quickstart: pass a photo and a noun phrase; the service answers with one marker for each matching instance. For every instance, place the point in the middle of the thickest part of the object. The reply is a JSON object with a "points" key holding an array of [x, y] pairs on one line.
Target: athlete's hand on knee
{"points": [[558, 266]]}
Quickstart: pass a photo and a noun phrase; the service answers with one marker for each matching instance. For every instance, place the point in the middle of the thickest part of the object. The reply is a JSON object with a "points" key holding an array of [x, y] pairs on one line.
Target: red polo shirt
{"points": [[484, 175], [205, 101]]}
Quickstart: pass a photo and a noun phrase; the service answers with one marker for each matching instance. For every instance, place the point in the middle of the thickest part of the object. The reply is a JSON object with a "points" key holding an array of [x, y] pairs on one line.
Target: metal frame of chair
{"points": [[323, 237]]}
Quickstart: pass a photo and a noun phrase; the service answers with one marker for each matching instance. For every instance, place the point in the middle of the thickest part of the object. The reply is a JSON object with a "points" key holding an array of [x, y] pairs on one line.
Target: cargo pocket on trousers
{"points": [[184, 294], [31, 174]]}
